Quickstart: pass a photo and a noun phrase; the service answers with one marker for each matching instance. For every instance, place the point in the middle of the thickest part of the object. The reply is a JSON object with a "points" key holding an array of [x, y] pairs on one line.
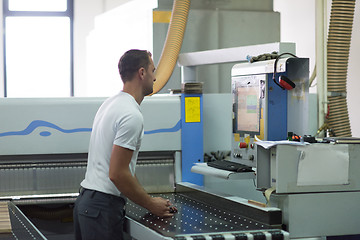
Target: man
{"points": [[114, 145]]}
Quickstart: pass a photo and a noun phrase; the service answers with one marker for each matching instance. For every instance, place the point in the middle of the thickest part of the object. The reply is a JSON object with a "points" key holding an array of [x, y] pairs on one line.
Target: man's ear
{"points": [[141, 73]]}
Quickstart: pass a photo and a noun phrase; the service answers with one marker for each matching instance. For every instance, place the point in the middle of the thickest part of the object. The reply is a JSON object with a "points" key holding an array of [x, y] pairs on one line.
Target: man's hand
{"points": [[161, 207]]}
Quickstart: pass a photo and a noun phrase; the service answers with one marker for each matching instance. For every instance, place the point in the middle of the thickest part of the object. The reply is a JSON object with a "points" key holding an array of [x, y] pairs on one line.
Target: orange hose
{"points": [[172, 44], [338, 47]]}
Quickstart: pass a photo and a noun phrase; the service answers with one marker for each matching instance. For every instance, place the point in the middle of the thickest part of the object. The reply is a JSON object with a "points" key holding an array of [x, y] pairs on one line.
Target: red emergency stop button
{"points": [[243, 145]]}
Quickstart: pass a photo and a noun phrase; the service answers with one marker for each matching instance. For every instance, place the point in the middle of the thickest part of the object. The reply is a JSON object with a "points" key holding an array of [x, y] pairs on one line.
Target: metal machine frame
{"points": [[322, 206]]}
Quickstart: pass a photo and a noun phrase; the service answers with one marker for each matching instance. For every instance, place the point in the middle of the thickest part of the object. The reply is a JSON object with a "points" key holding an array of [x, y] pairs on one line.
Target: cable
{"points": [[275, 65]]}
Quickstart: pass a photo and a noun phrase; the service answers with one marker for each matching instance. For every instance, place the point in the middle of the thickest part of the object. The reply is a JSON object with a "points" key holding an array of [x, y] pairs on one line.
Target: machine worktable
{"points": [[196, 219]]}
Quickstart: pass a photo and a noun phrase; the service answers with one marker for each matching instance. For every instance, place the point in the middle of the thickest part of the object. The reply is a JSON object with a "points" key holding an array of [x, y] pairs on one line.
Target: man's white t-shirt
{"points": [[118, 121]]}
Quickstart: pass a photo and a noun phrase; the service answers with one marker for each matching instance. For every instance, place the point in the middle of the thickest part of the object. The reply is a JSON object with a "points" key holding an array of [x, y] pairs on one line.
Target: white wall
{"points": [[298, 25], [116, 31], [353, 86], [85, 12], [103, 31], [297, 21]]}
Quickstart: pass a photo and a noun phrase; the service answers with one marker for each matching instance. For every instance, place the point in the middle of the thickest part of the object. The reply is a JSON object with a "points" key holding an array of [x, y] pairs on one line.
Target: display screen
{"points": [[246, 96]]}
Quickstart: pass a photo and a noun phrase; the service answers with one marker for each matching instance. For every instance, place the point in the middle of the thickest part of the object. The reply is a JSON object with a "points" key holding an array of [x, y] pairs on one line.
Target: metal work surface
{"points": [[22, 228], [197, 218]]}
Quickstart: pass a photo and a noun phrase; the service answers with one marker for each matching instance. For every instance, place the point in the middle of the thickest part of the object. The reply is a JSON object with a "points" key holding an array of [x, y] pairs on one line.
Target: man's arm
{"points": [[128, 185]]}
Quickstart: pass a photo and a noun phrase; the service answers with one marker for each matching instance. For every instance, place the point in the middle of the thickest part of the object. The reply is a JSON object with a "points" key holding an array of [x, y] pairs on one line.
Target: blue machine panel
{"points": [[192, 136], [276, 111]]}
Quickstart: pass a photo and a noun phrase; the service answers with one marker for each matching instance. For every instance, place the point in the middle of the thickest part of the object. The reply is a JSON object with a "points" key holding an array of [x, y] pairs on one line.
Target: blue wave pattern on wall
{"points": [[40, 123], [176, 128]]}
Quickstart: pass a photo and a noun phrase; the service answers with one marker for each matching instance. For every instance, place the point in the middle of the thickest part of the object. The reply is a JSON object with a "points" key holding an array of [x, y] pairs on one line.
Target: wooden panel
{"points": [[5, 224]]}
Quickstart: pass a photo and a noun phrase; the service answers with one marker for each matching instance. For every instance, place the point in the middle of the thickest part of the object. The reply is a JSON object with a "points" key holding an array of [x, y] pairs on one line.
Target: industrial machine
{"points": [[43, 145], [306, 181], [43, 153]]}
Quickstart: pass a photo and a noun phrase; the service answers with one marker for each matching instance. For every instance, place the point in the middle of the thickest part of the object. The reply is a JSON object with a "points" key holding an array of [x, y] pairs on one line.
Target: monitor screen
{"points": [[246, 100]]}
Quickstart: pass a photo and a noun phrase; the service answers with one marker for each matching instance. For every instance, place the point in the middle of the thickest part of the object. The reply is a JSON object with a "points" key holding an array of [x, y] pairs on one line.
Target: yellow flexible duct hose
{"points": [[172, 44], [338, 46]]}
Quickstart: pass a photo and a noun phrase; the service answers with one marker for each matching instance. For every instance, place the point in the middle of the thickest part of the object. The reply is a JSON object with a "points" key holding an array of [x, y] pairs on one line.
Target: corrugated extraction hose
{"points": [[338, 46], [172, 44]]}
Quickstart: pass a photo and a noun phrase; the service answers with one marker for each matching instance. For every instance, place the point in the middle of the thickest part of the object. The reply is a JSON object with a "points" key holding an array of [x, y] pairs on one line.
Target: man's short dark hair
{"points": [[132, 61]]}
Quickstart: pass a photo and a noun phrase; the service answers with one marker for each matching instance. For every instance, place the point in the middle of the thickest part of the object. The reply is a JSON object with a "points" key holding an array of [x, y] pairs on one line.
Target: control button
{"points": [[251, 157], [243, 145], [237, 155]]}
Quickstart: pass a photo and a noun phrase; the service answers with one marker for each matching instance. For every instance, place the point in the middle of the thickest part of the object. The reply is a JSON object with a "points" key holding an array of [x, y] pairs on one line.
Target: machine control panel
{"points": [[249, 92], [261, 109]]}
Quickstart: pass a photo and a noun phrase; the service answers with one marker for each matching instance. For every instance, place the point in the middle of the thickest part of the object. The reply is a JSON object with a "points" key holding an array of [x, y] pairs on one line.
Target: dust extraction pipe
{"points": [[173, 43], [339, 38]]}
